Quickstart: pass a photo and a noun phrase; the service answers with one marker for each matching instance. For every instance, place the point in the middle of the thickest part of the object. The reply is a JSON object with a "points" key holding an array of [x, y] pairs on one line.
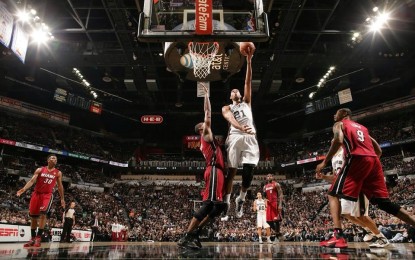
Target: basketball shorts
{"points": [[40, 203], [272, 211], [261, 220], [214, 180], [360, 174], [356, 209], [242, 149]]}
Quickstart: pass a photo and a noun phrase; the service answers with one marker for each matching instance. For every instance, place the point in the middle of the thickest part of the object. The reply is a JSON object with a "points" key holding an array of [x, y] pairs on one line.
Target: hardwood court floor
{"points": [[210, 250]]}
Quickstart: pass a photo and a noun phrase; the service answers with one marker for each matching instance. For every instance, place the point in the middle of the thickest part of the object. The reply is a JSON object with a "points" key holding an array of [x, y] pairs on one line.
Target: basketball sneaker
{"points": [[38, 239], [225, 212], [368, 237], [380, 242], [335, 241], [197, 234], [225, 218], [269, 240], [260, 240], [239, 207], [189, 241], [30, 243]]}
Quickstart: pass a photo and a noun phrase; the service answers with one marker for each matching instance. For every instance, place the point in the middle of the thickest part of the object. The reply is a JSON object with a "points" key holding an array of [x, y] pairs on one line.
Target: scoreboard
{"points": [[339, 98], [61, 95], [322, 104]]}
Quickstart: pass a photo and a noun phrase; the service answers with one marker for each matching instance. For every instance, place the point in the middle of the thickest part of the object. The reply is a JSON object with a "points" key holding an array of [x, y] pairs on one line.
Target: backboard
{"points": [[174, 20]]}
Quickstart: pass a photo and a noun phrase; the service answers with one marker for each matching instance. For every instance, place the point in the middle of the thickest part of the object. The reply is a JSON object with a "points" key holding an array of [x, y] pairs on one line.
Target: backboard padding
{"points": [[160, 20]]}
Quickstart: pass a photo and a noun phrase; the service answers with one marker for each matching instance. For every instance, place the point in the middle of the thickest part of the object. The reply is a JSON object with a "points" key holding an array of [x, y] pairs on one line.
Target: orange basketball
{"points": [[243, 47]]}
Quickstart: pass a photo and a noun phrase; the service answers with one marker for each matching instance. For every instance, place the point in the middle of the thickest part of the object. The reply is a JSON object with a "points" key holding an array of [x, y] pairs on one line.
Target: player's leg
{"points": [[228, 191], [247, 176], [347, 184], [190, 239], [348, 211], [34, 212], [360, 215], [375, 189], [46, 201], [268, 232], [259, 229], [250, 158], [233, 153]]}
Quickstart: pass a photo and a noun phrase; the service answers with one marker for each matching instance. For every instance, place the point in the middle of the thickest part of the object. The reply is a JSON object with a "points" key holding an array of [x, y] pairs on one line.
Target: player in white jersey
{"points": [[241, 144], [261, 217], [357, 212]]}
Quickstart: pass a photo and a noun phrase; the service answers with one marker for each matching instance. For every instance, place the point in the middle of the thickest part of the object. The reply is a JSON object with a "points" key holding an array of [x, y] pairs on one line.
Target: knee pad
{"points": [[203, 211], [217, 209], [387, 206], [247, 175]]}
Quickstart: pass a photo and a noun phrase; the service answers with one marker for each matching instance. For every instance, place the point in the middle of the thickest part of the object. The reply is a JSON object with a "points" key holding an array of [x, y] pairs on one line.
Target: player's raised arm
{"points": [[248, 77], [207, 131]]}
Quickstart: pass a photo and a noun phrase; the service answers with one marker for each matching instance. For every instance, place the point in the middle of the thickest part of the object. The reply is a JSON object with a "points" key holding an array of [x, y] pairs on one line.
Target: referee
{"points": [[68, 223]]}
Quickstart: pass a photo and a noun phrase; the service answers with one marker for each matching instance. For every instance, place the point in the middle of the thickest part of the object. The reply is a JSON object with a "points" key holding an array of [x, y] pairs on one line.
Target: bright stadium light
{"points": [[40, 36], [379, 22], [23, 16]]}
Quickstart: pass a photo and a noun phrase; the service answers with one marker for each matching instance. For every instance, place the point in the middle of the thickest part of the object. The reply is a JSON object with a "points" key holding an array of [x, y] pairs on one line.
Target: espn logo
{"points": [[9, 232]]}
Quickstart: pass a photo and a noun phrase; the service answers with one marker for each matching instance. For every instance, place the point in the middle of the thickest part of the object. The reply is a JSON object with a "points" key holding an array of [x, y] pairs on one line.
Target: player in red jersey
{"points": [[274, 204], [45, 178], [362, 172], [212, 204]]}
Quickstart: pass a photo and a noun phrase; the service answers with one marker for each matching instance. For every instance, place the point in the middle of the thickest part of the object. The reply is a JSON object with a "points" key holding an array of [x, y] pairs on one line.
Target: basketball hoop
{"points": [[202, 54]]}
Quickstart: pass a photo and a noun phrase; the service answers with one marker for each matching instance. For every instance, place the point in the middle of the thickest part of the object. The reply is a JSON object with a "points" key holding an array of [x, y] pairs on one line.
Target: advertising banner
{"points": [[20, 42], [6, 25], [14, 233]]}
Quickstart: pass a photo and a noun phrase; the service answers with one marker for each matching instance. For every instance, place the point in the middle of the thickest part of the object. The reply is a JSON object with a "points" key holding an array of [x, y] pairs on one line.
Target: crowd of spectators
{"points": [[65, 137], [162, 212], [398, 129]]}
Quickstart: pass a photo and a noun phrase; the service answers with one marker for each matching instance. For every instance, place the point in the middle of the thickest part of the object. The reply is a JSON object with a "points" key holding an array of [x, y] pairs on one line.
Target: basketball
{"points": [[243, 47], [186, 61]]}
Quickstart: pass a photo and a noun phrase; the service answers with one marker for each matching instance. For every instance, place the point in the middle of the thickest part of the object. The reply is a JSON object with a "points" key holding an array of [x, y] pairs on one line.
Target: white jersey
{"points": [[261, 216], [260, 206], [243, 114], [338, 160]]}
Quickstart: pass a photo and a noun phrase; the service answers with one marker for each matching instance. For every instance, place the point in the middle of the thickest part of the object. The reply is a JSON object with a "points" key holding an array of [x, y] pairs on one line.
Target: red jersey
{"points": [[271, 190], [46, 180], [356, 139], [208, 150]]}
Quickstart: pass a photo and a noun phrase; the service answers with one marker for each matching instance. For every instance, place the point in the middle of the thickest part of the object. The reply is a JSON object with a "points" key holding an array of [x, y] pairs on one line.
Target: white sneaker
{"points": [[269, 240], [239, 207], [260, 241], [276, 240], [368, 237], [380, 242], [225, 218]]}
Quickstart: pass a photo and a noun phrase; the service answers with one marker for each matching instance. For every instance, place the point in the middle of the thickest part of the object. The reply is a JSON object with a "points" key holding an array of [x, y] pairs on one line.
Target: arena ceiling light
{"points": [[326, 76], [84, 82], [323, 80], [378, 22], [38, 30], [375, 22]]}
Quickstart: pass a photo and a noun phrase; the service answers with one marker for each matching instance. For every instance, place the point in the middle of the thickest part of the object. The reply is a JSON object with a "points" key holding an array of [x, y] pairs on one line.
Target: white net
{"points": [[202, 54]]}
